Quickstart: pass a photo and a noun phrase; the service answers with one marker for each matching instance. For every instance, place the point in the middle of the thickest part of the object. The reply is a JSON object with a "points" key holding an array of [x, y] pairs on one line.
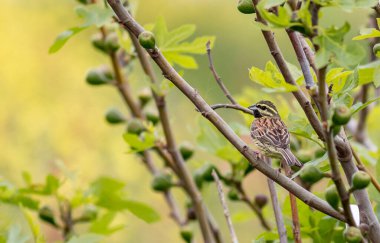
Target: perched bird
{"points": [[270, 134]]}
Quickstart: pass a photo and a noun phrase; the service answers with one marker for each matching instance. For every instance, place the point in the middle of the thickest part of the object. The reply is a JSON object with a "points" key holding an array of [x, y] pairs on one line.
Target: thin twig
{"points": [[169, 72], [276, 209], [225, 207], [294, 208], [216, 76], [361, 166], [231, 106]]}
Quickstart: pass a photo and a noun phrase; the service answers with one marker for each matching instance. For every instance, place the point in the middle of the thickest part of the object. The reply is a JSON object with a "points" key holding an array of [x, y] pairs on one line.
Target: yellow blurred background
{"points": [[49, 114]]}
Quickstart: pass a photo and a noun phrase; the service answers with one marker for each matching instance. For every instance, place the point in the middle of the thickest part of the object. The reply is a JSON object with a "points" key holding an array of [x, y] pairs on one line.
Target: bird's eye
{"points": [[263, 108]]}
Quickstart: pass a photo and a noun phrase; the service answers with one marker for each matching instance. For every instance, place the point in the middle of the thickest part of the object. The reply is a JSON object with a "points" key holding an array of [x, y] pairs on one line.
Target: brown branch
{"points": [[192, 94], [183, 172], [336, 177], [294, 208], [225, 207], [301, 57], [276, 209], [216, 76]]}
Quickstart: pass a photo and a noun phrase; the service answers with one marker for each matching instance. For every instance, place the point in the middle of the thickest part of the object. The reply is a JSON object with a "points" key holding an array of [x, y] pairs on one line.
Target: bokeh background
{"points": [[49, 116]]}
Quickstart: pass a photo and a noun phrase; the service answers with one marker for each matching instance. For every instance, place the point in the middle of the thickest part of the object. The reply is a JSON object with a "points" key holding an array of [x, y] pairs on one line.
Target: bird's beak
{"points": [[252, 107]]}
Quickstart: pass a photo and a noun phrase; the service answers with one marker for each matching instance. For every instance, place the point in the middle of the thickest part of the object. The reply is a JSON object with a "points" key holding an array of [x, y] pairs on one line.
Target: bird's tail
{"points": [[289, 157]]}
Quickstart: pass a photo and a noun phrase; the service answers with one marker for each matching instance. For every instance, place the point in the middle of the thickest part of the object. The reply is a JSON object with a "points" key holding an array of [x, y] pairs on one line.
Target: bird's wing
{"points": [[271, 131]]}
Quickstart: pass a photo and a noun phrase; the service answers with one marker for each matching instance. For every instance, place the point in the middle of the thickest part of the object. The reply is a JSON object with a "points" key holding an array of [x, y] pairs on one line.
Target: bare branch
{"points": [[230, 106], [225, 207], [216, 76], [277, 210]]}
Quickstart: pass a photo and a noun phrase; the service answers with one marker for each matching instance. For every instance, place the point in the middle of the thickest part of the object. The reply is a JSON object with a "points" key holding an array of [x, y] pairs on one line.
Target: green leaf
{"points": [[175, 46], [64, 37], [281, 19], [360, 106], [141, 142], [271, 79], [104, 186], [86, 238], [34, 226], [102, 225], [94, 15], [15, 234], [142, 211], [367, 33], [369, 73], [51, 184]]}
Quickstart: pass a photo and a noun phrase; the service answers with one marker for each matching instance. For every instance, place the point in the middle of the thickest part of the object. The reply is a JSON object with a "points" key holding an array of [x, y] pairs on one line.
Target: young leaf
{"points": [[102, 225], [142, 211], [271, 79], [64, 37], [367, 33], [175, 47]]}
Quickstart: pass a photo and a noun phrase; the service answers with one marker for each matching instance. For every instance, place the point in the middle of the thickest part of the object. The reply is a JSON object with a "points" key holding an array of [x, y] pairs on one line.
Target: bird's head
{"points": [[264, 108]]}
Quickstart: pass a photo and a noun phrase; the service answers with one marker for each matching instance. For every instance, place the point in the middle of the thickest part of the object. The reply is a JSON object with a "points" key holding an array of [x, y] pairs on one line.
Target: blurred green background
{"points": [[49, 116]]}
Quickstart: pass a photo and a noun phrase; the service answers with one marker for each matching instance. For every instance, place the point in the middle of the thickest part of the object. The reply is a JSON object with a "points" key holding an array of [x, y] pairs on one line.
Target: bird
{"points": [[270, 134]]}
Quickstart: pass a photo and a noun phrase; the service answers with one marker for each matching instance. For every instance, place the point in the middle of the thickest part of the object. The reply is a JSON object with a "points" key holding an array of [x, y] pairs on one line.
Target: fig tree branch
{"points": [[216, 76], [226, 211], [276, 209], [192, 94], [183, 172]]}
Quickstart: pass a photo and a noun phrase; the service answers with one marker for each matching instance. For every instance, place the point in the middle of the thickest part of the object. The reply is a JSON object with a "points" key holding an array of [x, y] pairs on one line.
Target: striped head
{"points": [[264, 108]]}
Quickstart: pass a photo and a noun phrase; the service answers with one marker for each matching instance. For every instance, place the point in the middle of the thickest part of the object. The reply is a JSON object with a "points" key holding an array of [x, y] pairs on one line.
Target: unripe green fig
{"points": [[152, 117], [135, 126], [376, 49], [112, 42], [319, 153], [187, 150], [233, 194], [89, 214], [311, 174], [246, 7], [145, 95], [206, 172], [341, 115], [353, 235], [304, 156], [187, 234], [46, 214], [147, 40], [360, 180], [98, 76], [98, 42], [332, 196], [162, 182], [261, 200], [198, 178], [114, 116]]}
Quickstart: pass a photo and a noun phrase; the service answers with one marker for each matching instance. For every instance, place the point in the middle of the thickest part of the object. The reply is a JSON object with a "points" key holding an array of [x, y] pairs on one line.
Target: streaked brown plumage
{"points": [[270, 133]]}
